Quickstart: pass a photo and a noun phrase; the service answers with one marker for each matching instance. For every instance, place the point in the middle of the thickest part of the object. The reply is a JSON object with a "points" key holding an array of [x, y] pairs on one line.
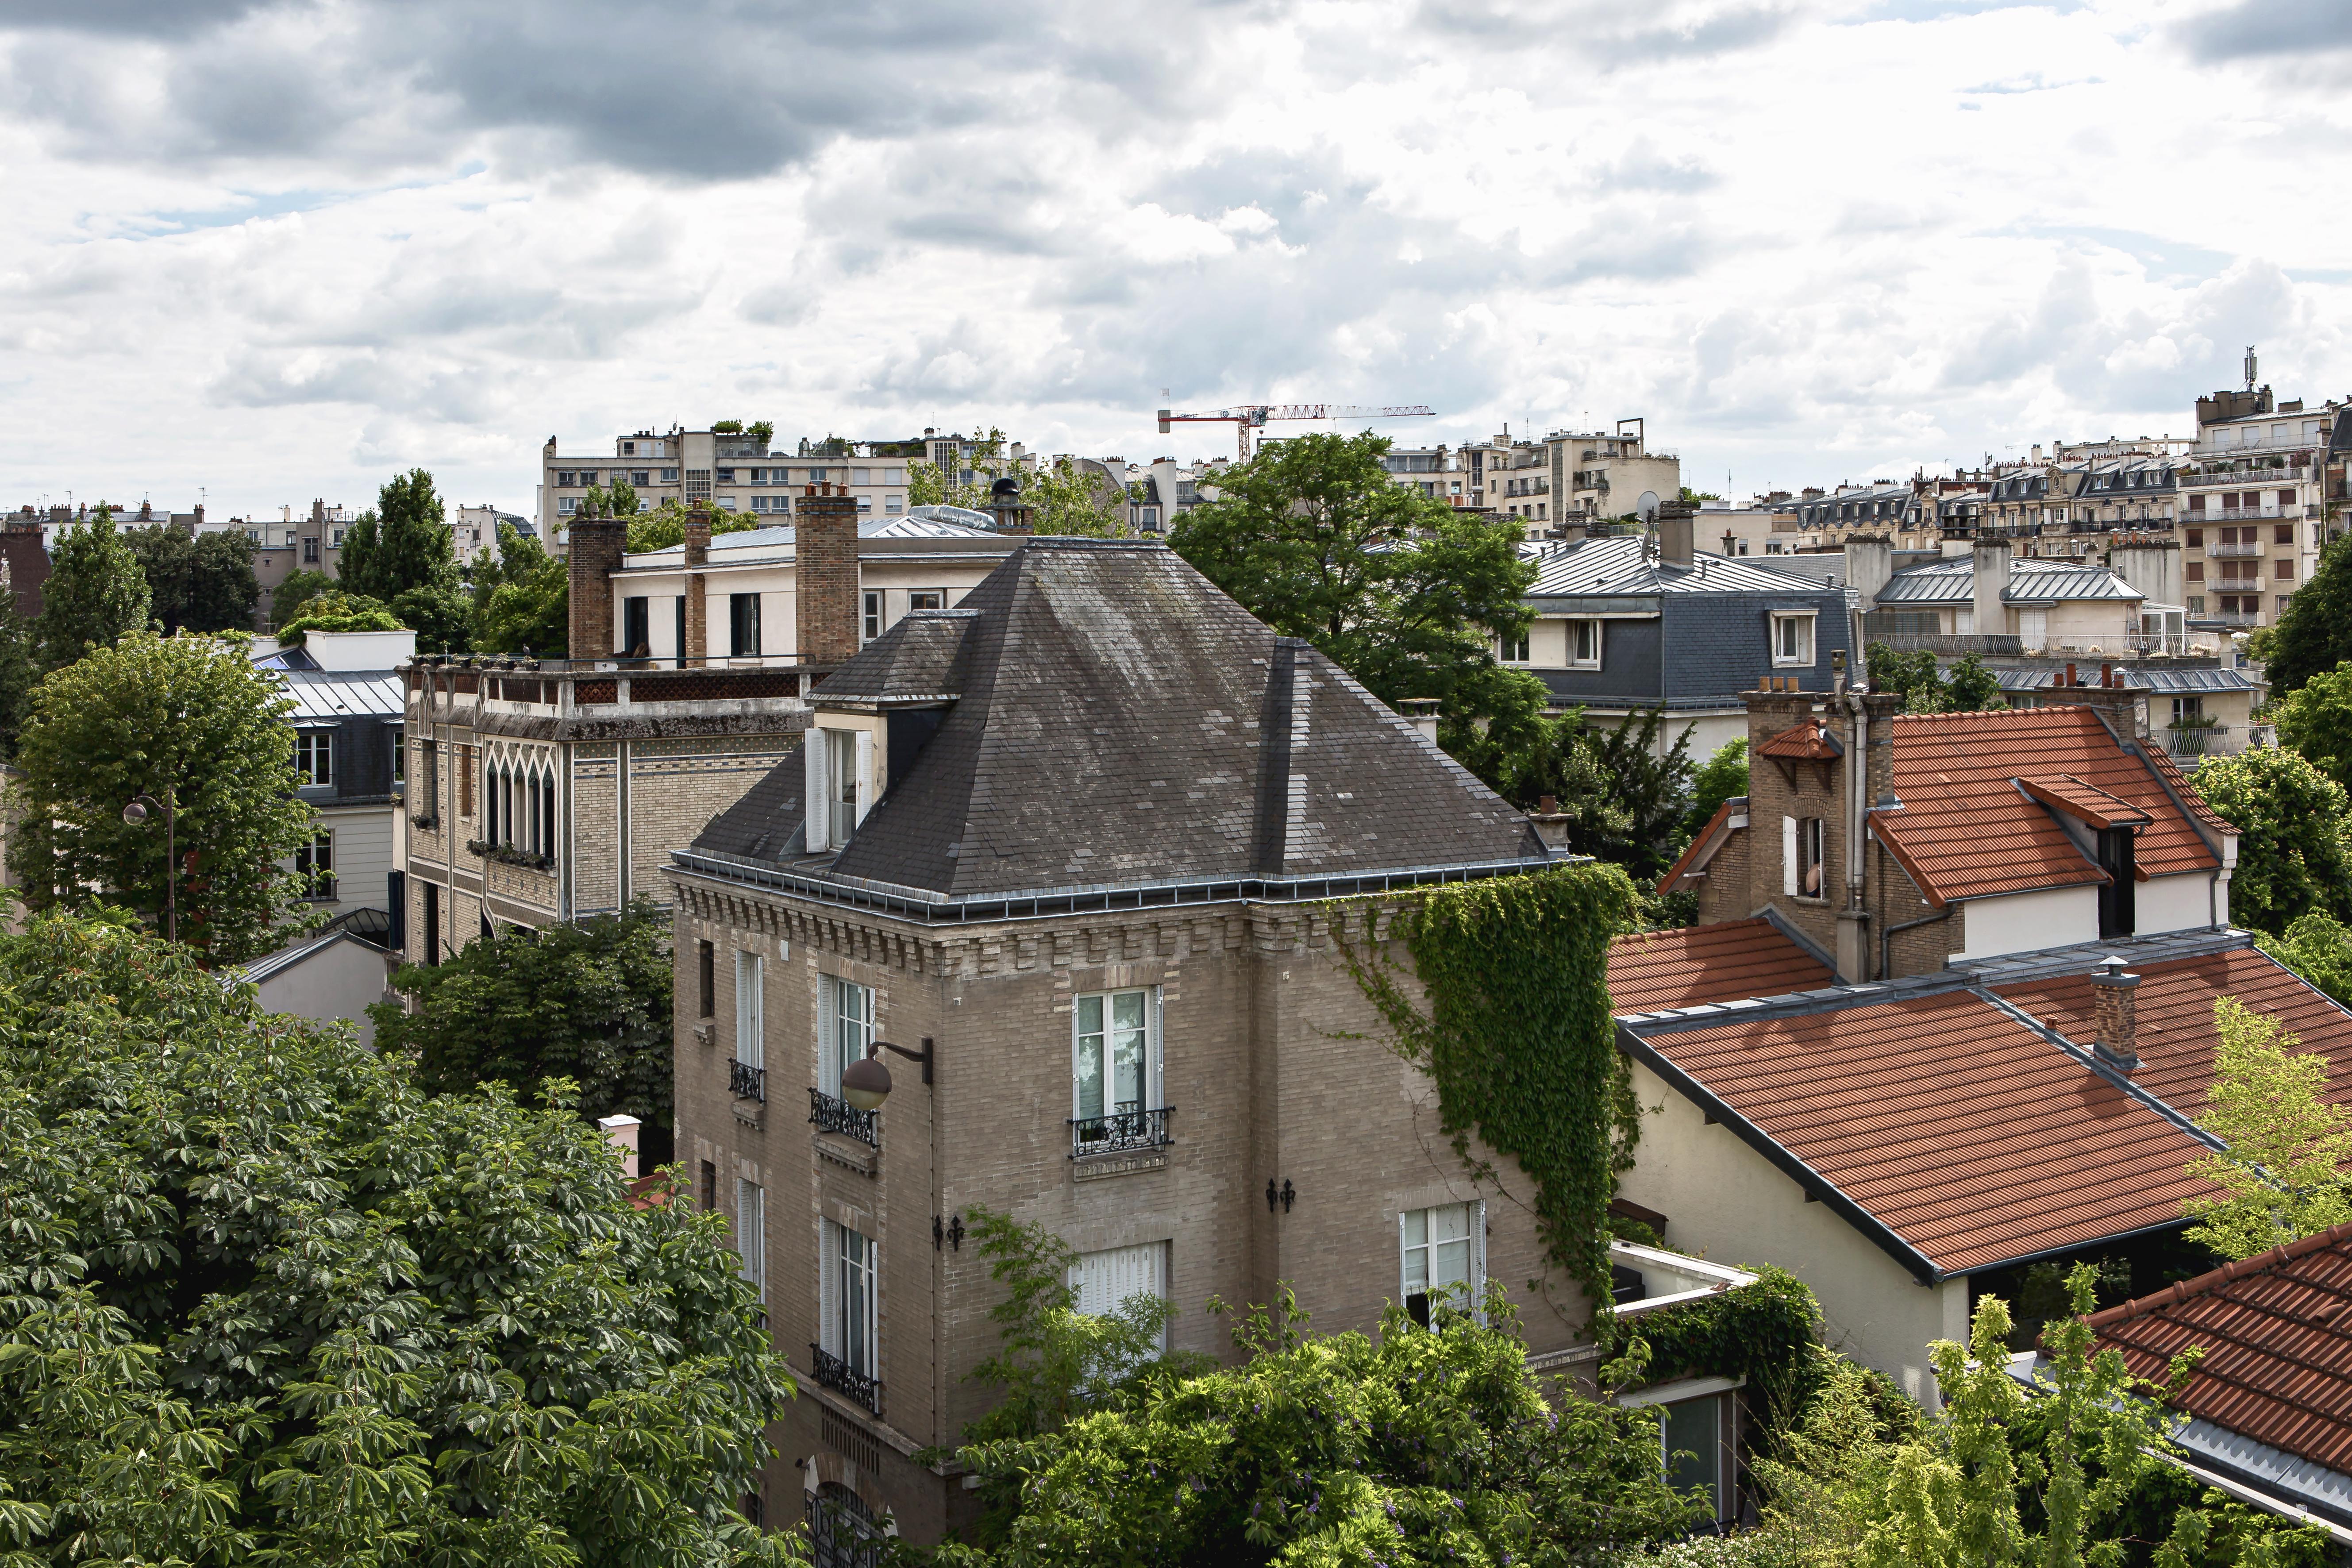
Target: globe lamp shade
{"points": [[866, 1084]]}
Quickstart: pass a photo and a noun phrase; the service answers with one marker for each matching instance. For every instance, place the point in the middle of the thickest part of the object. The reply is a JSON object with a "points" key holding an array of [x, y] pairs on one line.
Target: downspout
{"points": [[1887, 938]]}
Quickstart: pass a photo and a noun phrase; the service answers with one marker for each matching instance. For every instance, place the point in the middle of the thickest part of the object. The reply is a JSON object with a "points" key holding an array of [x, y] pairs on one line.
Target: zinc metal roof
{"points": [[2032, 580], [343, 693], [2139, 678], [1623, 564]]}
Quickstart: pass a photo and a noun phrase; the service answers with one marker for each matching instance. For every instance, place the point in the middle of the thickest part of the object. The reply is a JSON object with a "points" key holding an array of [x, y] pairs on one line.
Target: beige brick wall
{"points": [[1258, 1065]]}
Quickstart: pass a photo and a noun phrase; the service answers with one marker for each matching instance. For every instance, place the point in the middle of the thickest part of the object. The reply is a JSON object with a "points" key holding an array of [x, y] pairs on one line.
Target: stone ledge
{"points": [[750, 1112], [1095, 1167], [848, 1152]]}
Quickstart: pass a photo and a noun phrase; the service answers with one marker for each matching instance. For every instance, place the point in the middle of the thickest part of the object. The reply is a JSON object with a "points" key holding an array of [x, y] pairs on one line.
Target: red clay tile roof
{"points": [[2213, 820], [1719, 824], [1810, 742], [1964, 831], [2277, 1335], [1726, 962], [1968, 1136], [2082, 801], [2174, 1031]]}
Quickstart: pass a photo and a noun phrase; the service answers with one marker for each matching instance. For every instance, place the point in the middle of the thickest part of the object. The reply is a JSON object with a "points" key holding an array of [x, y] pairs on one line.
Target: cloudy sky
{"points": [[279, 251]]}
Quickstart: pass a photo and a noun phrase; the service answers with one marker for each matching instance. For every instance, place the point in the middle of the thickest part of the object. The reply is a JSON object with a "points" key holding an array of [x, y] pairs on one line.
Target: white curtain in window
{"points": [[751, 1234], [750, 1031], [1441, 1248], [1112, 1066], [815, 775], [1105, 1280]]}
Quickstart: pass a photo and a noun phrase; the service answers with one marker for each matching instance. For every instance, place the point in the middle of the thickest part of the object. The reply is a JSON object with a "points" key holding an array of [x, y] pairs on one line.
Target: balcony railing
{"points": [[2245, 479], [2195, 518], [746, 1082], [2239, 618], [2227, 552], [831, 1115], [2197, 740], [845, 1380], [1119, 1133]]}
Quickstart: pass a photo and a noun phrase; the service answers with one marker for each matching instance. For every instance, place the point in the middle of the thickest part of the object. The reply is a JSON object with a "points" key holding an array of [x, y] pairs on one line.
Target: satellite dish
{"points": [[1648, 506]]}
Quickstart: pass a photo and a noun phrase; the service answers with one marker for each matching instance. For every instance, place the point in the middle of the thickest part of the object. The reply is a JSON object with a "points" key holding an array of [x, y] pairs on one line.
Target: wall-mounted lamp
{"points": [[866, 1084]]}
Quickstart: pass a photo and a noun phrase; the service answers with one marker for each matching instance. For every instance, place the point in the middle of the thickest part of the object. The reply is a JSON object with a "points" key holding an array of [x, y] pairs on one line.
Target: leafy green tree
{"points": [[189, 715], [1064, 498], [1725, 777], [2281, 1174], [20, 672], [440, 614], [337, 611], [530, 608], [2290, 818], [1971, 687], [1402, 591], [589, 1001], [1416, 1445], [2315, 718], [264, 1299], [2319, 948], [2314, 634], [95, 594], [199, 582], [623, 498], [404, 543], [301, 585], [1926, 687], [666, 525]]}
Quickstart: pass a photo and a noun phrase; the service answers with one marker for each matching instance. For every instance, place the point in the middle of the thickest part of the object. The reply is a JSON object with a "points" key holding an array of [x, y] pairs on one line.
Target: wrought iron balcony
{"points": [[845, 1379], [748, 1082], [832, 1115], [1119, 1133], [2197, 740]]}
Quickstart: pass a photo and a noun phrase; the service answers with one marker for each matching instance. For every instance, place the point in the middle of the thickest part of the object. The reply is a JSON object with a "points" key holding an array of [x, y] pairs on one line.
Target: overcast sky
{"points": [[278, 251]]}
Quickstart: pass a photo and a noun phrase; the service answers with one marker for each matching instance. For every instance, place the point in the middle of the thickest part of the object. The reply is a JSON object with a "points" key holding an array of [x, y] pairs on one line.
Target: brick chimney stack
{"points": [[2115, 1008], [698, 596], [597, 544], [825, 574]]}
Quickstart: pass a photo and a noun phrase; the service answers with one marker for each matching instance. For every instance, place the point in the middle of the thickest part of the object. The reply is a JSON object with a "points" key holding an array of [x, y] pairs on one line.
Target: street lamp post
{"points": [[139, 811]]}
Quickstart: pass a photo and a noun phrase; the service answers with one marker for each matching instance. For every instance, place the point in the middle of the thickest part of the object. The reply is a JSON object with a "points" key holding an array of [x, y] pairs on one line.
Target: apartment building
{"points": [[734, 471], [1069, 849], [545, 790], [2253, 502], [350, 761]]}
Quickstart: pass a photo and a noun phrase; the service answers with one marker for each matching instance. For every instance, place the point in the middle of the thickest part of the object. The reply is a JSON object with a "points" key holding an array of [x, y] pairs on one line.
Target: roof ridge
{"points": [[2205, 1284]]}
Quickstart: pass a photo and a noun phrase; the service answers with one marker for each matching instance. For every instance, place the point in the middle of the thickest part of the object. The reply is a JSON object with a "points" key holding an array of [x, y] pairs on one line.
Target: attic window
{"points": [[1584, 645], [1792, 640]]}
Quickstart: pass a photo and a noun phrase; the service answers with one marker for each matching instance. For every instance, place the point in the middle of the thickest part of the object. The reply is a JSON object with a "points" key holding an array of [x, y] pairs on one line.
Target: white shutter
{"points": [[1478, 1257], [828, 1031], [813, 794], [1401, 1287], [864, 773], [1157, 1089], [828, 1285], [751, 1030], [1788, 856], [751, 1234]]}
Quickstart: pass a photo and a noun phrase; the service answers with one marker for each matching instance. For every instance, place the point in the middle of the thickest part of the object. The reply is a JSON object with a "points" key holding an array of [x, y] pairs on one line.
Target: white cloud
{"points": [[279, 249]]}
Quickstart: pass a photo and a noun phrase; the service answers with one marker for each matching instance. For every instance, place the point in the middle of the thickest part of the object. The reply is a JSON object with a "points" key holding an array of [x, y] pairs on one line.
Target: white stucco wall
{"points": [[2186, 902], [338, 981], [2022, 922], [1724, 1201]]}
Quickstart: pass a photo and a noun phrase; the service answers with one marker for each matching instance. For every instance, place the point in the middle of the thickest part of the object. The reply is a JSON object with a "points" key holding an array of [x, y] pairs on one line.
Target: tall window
{"points": [[399, 755], [1584, 645], [840, 793], [1691, 1436], [847, 1032], [751, 1036], [751, 1234], [1108, 1280], [1442, 1250], [637, 625], [706, 979], [315, 863], [1801, 856], [873, 601], [743, 624], [1110, 1071], [314, 756], [848, 1304]]}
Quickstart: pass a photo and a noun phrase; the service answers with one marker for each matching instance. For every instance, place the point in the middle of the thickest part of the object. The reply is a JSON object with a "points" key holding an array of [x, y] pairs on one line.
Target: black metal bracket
{"points": [[924, 1056], [1290, 1195], [1272, 1195]]}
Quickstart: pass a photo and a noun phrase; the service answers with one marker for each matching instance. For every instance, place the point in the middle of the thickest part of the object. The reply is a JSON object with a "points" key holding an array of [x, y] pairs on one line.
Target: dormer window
{"points": [[841, 790], [839, 779], [1792, 640]]}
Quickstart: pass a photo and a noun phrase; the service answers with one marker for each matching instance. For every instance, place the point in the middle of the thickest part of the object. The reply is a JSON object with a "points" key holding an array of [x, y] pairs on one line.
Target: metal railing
{"points": [[2196, 740], [2239, 618], [1120, 1131], [845, 1380], [2226, 552], [833, 1115], [2220, 478], [2195, 518], [1949, 645], [746, 1082]]}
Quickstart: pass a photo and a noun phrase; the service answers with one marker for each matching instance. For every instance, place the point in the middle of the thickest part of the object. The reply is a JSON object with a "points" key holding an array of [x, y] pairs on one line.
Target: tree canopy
{"points": [[333, 610], [404, 543], [2315, 718], [2281, 1174], [1063, 498], [589, 1001], [1926, 687], [95, 594], [1405, 592], [528, 603], [2290, 818], [190, 715], [197, 582], [2314, 634], [263, 1300], [1724, 777], [666, 525], [300, 587]]}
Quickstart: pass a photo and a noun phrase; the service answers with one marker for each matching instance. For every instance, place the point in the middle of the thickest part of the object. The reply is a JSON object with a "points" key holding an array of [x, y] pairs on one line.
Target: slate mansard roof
{"points": [[2032, 581], [1622, 564], [1111, 720]]}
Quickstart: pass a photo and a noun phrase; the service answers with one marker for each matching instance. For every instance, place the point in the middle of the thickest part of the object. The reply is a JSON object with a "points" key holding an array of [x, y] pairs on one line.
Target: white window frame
{"points": [[750, 1010], [1577, 631], [314, 757], [1080, 1036], [1406, 1247], [1513, 649], [844, 1275], [751, 1234], [1787, 618], [845, 1028]]}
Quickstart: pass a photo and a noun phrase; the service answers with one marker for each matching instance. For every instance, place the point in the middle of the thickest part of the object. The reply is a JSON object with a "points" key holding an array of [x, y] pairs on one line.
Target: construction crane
{"points": [[1249, 416]]}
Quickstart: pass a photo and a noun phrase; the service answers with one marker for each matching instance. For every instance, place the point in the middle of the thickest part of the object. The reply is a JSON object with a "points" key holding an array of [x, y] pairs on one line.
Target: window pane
{"points": [[1416, 1229], [1128, 1050], [1688, 1433]]}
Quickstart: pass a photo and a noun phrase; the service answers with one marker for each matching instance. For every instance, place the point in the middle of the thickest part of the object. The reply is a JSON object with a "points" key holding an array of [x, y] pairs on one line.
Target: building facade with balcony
{"points": [[738, 471], [1071, 849]]}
